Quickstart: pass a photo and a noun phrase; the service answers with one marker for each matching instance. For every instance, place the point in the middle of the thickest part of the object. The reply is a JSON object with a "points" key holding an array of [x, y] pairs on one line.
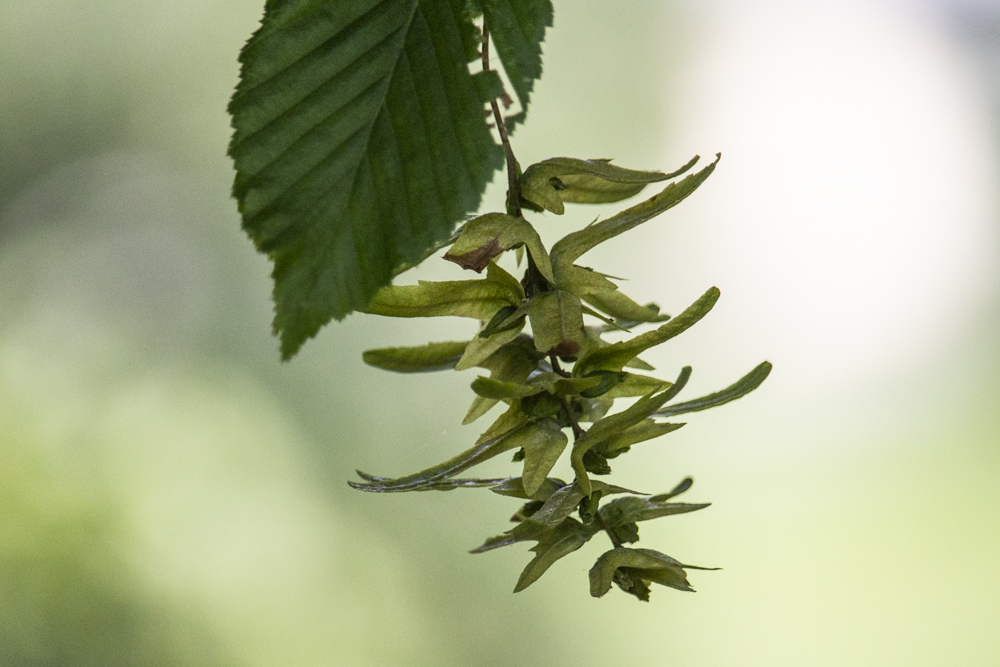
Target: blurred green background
{"points": [[170, 494]]}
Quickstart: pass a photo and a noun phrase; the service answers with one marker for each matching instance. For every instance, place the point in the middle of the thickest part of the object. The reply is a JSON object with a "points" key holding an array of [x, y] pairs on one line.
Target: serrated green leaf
{"points": [[569, 536], [486, 236], [517, 28], [417, 359], [488, 85], [565, 252], [645, 430], [643, 564], [544, 444], [631, 509], [556, 323], [612, 425], [359, 141], [615, 356], [555, 181], [740, 388]]}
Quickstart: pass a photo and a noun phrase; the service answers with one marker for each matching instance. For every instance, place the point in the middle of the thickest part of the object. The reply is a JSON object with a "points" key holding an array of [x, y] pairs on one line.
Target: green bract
{"points": [[361, 139], [545, 403]]}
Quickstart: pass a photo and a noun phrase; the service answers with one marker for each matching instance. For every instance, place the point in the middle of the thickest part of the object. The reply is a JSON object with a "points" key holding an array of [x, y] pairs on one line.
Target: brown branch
{"points": [[513, 183]]}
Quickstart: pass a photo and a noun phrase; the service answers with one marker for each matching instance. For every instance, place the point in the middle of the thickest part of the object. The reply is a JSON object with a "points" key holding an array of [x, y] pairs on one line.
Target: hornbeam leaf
{"points": [[614, 357], [478, 299], [544, 444], [740, 388], [418, 359], [517, 28], [359, 141], [571, 246], [486, 236], [558, 180]]}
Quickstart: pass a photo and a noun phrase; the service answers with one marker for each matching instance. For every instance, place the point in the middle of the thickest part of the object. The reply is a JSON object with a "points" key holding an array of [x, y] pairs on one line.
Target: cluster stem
{"points": [[533, 281], [513, 183]]}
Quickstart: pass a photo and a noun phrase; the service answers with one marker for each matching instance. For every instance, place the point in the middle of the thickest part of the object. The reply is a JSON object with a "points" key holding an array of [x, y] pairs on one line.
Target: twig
{"points": [[513, 183]]}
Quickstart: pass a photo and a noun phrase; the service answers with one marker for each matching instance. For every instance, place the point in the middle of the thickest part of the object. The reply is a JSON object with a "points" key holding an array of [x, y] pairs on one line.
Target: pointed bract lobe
{"points": [[551, 183], [738, 389], [417, 359], [631, 567], [615, 356], [572, 246]]}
